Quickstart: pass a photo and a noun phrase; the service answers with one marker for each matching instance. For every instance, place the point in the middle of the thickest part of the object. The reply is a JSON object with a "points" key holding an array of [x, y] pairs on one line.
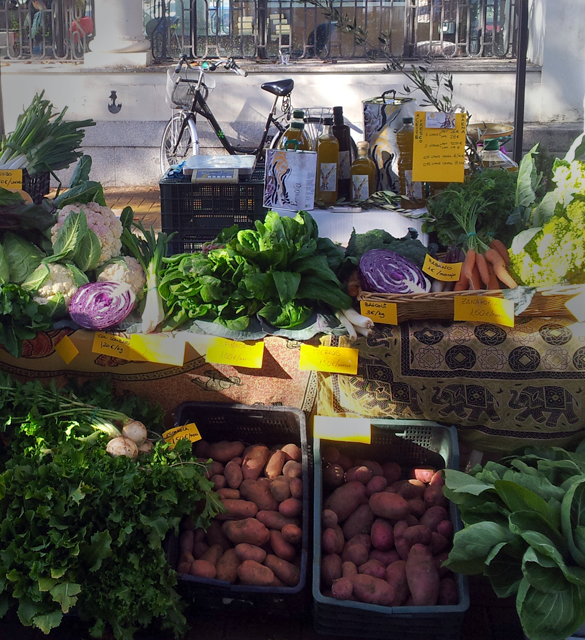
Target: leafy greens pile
{"points": [[278, 270], [525, 530], [81, 529]]}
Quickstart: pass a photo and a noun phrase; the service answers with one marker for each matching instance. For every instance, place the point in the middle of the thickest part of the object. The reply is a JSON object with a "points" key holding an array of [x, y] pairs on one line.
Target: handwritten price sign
{"points": [[329, 359], [380, 312], [484, 309]]}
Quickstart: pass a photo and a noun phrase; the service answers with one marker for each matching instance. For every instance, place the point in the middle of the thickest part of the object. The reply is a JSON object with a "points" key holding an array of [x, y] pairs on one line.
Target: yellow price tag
{"points": [[484, 309], [115, 345], [11, 178], [185, 432], [160, 347], [329, 359], [66, 349], [343, 429], [445, 271], [237, 354], [381, 312]]}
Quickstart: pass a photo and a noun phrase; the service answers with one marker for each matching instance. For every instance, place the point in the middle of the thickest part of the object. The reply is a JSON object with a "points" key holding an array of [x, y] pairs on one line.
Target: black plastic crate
{"points": [[252, 424], [37, 186], [198, 212], [409, 443]]}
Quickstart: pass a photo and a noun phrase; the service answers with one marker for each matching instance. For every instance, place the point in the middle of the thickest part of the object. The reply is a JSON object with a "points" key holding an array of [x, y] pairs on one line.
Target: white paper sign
{"points": [[290, 180]]}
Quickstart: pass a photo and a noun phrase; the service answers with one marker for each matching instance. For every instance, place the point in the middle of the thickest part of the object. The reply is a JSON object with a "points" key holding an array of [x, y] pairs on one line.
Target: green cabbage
{"points": [[22, 257]]}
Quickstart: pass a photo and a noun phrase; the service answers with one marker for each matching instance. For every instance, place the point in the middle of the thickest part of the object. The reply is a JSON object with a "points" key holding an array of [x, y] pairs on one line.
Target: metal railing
{"points": [[304, 29], [45, 29]]}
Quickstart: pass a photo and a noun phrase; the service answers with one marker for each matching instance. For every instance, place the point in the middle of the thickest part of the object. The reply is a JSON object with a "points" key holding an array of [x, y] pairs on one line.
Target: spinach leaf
{"points": [[287, 285], [459, 482], [573, 516], [525, 523], [518, 498]]}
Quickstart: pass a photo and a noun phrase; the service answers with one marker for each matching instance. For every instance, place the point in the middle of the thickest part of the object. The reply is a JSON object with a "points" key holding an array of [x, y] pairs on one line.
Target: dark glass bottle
{"points": [[341, 132]]}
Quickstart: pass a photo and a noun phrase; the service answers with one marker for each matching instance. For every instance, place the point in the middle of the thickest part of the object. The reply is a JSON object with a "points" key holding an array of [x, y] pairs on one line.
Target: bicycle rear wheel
{"points": [[186, 147]]}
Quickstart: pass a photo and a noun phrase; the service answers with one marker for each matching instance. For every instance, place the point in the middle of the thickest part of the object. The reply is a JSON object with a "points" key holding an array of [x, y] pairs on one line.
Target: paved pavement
{"points": [[145, 202]]}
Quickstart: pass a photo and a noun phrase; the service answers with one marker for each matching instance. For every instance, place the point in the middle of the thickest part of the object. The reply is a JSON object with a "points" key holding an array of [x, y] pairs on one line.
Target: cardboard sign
{"points": [[11, 178], [159, 347], [185, 432], [445, 271], [343, 429], [484, 309], [115, 345], [380, 312], [66, 349], [439, 153], [237, 354], [329, 359]]}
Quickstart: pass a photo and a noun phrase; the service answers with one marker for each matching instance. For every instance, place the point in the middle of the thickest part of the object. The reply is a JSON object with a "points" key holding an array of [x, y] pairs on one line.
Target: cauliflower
{"points": [[556, 254], [102, 221], [58, 284], [124, 269]]}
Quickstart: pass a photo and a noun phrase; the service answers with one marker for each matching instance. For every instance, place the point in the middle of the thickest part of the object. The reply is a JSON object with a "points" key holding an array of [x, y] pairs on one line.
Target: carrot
{"points": [[493, 283], [491, 255], [500, 247], [466, 268], [482, 267], [475, 282]]}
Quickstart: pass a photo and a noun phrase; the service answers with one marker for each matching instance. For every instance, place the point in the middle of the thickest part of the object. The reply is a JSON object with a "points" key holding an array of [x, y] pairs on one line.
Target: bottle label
{"points": [[361, 187], [344, 165], [413, 189], [328, 176]]}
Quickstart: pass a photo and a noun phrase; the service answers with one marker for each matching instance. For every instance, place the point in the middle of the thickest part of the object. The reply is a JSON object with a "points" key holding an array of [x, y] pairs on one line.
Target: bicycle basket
{"points": [[314, 117], [180, 94]]}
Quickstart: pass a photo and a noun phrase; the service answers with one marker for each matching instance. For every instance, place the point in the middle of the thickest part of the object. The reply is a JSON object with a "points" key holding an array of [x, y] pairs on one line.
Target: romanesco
{"points": [[556, 254]]}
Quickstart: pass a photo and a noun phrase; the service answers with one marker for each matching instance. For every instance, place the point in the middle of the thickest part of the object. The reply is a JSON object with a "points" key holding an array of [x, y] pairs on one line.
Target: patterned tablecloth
{"points": [[501, 387]]}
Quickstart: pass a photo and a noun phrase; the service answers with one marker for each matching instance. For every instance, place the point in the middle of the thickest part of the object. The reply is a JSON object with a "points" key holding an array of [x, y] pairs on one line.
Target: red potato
{"points": [[373, 466], [213, 554], [391, 471], [396, 577], [224, 451], [265, 481], [296, 488], [372, 590], [412, 489], [382, 533], [330, 569], [389, 505], [403, 548], [292, 534], [419, 534], [255, 574], [203, 569], [199, 535], [229, 494], [199, 548], [233, 474], [333, 475], [292, 469], [448, 592], [283, 570], [438, 478], [227, 566], [275, 520], [203, 449], [438, 543], [412, 520], [344, 462], [445, 528], [280, 488], [375, 485], [332, 540], [213, 469], [237, 510], [439, 559], [360, 474], [360, 521], [434, 496], [330, 455], [185, 561], [417, 507], [348, 569], [275, 464], [255, 460], [357, 549], [281, 547], [293, 452], [215, 535], [342, 589], [259, 493], [186, 541], [249, 530], [433, 517], [246, 551], [219, 482], [422, 576], [345, 499], [373, 568], [385, 557], [238, 460], [291, 508], [328, 518], [277, 583], [399, 528], [424, 474]]}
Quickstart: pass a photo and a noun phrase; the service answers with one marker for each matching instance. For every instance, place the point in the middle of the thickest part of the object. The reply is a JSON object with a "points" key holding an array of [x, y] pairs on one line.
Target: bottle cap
{"points": [[363, 144], [407, 120], [493, 144], [298, 114], [338, 115]]}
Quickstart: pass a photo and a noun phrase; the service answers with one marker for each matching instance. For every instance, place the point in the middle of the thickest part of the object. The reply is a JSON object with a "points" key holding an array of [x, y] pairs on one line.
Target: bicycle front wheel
{"points": [[186, 147]]}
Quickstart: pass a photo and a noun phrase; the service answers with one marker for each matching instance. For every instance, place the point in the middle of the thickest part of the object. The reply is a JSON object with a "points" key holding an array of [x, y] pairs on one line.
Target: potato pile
{"points": [[256, 541], [384, 538]]}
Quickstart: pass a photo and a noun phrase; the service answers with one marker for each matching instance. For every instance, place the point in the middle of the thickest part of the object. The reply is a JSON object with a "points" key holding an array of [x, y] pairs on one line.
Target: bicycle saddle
{"points": [[279, 87]]}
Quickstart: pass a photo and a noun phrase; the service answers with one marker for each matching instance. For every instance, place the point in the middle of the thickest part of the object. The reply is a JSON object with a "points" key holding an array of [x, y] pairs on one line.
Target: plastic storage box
{"points": [[252, 424], [37, 186], [198, 212], [409, 443]]}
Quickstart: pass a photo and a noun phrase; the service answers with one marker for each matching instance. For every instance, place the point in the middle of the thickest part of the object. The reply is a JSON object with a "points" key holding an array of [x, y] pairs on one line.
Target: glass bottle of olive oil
{"points": [[327, 160]]}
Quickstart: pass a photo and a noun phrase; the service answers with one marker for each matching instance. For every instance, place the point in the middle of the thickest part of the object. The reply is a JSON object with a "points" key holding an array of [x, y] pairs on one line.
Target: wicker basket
{"points": [[547, 301]]}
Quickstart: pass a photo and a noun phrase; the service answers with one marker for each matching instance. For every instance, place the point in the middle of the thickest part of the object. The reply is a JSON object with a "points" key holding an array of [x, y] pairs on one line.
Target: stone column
{"points": [[119, 40]]}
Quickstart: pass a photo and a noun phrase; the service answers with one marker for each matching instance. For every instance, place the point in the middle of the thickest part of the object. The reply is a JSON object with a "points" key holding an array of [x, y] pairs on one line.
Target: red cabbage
{"points": [[384, 271], [100, 305]]}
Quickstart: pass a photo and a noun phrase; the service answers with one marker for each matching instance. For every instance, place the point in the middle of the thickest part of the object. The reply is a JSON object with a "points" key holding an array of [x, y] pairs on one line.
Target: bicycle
{"points": [[180, 139]]}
